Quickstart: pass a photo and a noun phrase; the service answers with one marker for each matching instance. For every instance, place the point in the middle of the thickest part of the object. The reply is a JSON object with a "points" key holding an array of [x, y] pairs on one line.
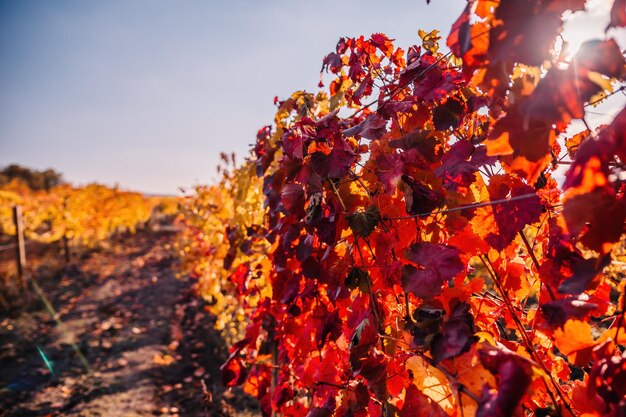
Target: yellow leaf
{"points": [[163, 360], [431, 382], [603, 82], [430, 40]]}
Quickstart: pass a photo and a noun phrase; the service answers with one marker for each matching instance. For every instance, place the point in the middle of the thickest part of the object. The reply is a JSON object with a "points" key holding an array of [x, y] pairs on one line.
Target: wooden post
{"points": [[66, 241], [66, 249], [20, 248]]}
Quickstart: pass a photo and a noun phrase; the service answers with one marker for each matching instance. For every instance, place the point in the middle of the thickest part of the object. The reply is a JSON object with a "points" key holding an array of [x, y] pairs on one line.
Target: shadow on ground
{"points": [[145, 337]]}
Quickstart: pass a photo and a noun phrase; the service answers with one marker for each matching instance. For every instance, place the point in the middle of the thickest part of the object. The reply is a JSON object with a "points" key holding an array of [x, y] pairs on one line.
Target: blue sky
{"points": [[147, 93]]}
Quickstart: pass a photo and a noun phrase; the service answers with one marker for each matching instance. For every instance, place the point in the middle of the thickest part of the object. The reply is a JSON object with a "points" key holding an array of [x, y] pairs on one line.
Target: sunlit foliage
{"points": [[417, 252]]}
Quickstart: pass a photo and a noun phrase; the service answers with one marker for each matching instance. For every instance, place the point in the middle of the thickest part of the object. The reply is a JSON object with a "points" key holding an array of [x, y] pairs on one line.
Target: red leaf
{"points": [[560, 257], [292, 199], [364, 89], [418, 197], [296, 140], [604, 57], [382, 42], [438, 263], [333, 62], [422, 141], [500, 223], [460, 41], [335, 162], [373, 367], [435, 83], [514, 377], [561, 95], [608, 379], [371, 128], [330, 330], [618, 14], [517, 135], [233, 371], [389, 169], [366, 333], [584, 273], [461, 162], [599, 215], [264, 150], [418, 404], [559, 311], [449, 115], [456, 336], [524, 31], [325, 411]]}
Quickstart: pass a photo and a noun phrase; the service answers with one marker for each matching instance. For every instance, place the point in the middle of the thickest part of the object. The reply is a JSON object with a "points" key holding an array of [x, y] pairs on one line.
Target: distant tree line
{"points": [[36, 180]]}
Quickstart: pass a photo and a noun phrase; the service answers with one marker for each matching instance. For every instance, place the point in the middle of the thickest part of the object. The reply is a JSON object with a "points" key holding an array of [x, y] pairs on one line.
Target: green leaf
{"points": [[363, 223], [358, 278]]}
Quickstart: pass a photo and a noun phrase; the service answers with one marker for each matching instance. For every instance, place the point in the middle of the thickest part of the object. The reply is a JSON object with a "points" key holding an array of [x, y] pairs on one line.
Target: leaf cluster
{"points": [[420, 255]]}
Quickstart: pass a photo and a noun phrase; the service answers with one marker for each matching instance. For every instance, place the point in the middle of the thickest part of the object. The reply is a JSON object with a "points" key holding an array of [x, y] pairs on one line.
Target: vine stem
{"points": [[461, 388], [535, 261], [620, 320], [529, 346], [274, 381], [332, 184], [402, 87], [360, 181], [468, 206], [332, 384], [591, 103]]}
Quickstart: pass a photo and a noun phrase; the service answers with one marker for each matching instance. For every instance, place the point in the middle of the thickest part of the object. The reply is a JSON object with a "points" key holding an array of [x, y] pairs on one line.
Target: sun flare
{"points": [[587, 25]]}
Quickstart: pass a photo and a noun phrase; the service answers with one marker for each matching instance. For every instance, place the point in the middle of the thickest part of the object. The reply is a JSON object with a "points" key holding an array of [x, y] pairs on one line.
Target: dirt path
{"points": [[143, 334]]}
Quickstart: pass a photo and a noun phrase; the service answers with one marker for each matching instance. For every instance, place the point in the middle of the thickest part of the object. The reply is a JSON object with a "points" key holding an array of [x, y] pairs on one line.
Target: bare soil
{"points": [[148, 345]]}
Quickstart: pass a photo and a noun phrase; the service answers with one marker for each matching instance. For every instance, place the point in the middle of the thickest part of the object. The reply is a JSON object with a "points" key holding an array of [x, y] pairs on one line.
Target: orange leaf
{"points": [[575, 341]]}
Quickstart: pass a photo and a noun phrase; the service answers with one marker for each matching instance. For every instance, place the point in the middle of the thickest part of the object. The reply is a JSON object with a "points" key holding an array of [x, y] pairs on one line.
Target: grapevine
{"points": [[416, 252], [85, 215], [220, 239]]}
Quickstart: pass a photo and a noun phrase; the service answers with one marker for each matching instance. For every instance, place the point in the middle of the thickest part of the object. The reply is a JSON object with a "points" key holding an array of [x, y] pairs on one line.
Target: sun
{"points": [[579, 28], [582, 26]]}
